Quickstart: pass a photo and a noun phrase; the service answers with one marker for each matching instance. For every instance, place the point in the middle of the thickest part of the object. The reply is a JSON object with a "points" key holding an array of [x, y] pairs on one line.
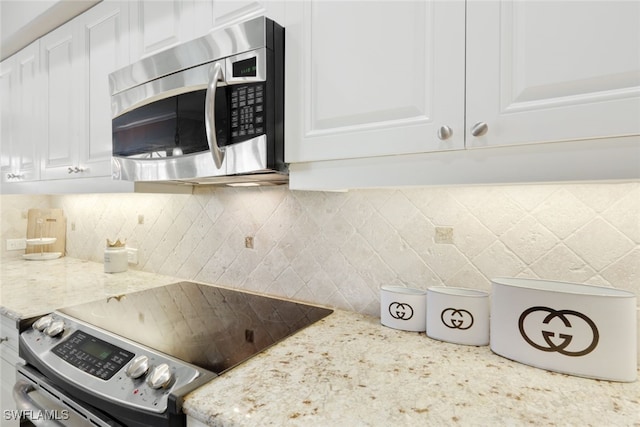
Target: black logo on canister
{"points": [[567, 317], [455, 318], [400, 311]]}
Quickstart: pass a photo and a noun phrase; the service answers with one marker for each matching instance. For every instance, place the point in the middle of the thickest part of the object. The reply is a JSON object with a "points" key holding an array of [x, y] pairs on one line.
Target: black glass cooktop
{"points": [[210, 327]]}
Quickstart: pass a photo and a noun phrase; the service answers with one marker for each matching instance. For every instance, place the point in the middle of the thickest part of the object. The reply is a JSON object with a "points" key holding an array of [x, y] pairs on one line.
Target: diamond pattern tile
{"points": [[529, 239], [599, 243], [562, 213], [337, 249]]}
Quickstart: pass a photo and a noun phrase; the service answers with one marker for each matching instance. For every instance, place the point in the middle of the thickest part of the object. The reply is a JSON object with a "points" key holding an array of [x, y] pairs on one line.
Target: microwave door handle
{"points": [[210, 114], [26, 405]]}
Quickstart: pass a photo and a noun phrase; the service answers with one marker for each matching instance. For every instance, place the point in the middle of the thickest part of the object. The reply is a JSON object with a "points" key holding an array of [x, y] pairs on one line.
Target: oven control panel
{"points": [[104, 364], [92, 355]]}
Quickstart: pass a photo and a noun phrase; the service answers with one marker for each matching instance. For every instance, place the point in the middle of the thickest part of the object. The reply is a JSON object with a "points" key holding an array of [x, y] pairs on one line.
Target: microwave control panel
{"points": [[247, 111]]}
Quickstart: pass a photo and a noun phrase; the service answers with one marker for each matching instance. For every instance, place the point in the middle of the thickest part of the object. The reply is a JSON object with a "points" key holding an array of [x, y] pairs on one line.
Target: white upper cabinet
{"points": [[105, 29], [377, 93], [62, 100], [56, 115], [373, 78], [76, 60], [21, 121], [543, 71], [160, 24], [25, 21], [227, 12], [7, 117], [385, 93]]}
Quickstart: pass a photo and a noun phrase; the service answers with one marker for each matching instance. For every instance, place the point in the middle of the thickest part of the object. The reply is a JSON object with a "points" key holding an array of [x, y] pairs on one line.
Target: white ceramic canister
{"points": [[115, 260], [403, 308], [577, 329], [458, 315]]}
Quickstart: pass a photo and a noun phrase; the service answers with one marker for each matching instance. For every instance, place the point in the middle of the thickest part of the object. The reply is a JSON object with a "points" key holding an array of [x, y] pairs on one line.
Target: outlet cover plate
{"points": [[132, 255], [16, 244]]}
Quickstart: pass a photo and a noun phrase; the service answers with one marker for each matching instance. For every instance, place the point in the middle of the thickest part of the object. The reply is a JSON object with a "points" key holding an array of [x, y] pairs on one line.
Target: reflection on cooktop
{"points": [[211, 327]]}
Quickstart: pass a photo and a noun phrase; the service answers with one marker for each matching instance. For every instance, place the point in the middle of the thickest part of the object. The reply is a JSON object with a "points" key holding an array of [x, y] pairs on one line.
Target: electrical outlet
{"points": [[16, 244], [132, 256], [443, 235]]}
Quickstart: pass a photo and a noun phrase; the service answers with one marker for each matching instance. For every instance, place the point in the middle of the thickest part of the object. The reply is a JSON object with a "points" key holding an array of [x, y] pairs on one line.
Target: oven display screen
{"points": [[96, 349], [245, 68], [92, 355]]}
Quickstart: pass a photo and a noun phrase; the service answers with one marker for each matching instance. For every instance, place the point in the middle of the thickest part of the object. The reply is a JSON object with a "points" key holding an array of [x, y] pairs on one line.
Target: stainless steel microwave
{"points": [[208, 111]]}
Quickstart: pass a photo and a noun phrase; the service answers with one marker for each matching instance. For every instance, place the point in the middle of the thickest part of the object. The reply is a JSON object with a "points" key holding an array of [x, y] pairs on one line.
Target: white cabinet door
{"points": [[542, 71], [373, 78], [158, 25], [227, 12], [21, 115], [161, 24], [8, 115], [29, 129], [105, 29], [76, 60], [62, 68]]}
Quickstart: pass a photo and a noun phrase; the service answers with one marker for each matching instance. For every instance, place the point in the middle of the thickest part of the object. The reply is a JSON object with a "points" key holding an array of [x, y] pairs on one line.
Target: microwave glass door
{"points": [[176, 125], [169, 127]]}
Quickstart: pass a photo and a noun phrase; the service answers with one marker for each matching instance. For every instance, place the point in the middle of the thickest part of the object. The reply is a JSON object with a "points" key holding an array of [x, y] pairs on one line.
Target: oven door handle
{"points": [[26, 405], [210, 114]]}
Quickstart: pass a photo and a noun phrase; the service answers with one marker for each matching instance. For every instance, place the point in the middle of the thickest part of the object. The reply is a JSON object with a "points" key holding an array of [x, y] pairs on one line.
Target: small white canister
{"points": [[403, 308], [458, 315], [115, 257]]}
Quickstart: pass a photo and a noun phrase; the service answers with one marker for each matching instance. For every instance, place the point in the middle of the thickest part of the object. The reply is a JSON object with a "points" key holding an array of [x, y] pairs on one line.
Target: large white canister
{"points": [[577, 329]]}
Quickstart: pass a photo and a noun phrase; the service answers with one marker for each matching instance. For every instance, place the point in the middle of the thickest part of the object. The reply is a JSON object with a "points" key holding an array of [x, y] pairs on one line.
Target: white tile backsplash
{"points": [[339, 248]]}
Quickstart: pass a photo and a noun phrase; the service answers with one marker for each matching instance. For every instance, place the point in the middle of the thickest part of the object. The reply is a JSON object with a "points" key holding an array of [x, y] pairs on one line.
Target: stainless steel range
{"points": [[129, 360]]}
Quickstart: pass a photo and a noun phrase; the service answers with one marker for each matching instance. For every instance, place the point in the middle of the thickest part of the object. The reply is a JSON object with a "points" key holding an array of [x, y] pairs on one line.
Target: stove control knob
{"points": [[42, 323], [55, 328], [160, 376], [138, 367]]}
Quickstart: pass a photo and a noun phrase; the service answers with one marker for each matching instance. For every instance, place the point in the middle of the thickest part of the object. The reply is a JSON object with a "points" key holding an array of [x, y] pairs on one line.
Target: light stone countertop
{"points": [[32, 288], [346, 369]]}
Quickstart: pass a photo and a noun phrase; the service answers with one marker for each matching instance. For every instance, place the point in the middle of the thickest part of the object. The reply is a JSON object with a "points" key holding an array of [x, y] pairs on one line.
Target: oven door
{"points": [[40, 403]]}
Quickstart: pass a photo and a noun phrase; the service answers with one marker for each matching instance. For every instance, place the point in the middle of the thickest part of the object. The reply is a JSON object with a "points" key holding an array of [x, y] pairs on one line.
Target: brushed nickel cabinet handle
{"points": [[445, 132], [479, 129]]}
